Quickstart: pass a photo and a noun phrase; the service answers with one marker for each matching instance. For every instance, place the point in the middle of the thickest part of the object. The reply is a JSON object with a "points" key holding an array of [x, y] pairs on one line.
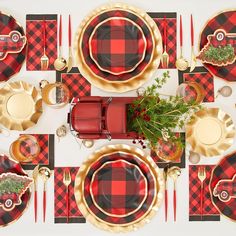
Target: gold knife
{"points": [[70, 59], [35, 177], [193, 57]]}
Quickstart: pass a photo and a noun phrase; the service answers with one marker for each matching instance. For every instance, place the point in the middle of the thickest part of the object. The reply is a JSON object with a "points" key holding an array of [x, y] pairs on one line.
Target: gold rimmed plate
{"points": [[210, 132], [118, 188], [127, 81], [117, 45], [82, 188], [20, 105]]}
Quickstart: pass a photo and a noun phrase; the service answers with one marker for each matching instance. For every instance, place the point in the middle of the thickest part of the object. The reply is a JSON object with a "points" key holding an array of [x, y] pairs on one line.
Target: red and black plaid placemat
{"points": [[161, 163], [13, 61], [171, 33], [60, 213], [210, 213], [225, 21], [76, 83], [46, 155], [202, 76], [34, 33]]}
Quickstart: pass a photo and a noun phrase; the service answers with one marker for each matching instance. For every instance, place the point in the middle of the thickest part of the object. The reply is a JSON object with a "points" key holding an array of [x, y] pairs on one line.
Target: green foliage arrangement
{"points": [[154, 118], [10, 185], [219, 54]]}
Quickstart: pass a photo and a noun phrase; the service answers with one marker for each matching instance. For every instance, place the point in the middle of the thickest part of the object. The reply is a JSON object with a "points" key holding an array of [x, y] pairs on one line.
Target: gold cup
{"points": [[25, 149]]}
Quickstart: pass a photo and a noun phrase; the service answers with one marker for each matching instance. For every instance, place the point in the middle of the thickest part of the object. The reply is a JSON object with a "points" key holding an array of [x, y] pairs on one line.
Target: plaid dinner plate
{"points": [[13, 61], [111, 193], [85, 45], [117, 45], [225, 170], [7, 217], [225, 20], [118, 188]]}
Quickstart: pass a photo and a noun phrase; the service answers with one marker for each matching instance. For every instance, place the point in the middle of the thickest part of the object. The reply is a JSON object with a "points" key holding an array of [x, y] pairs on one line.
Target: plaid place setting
{"points": [[180, 162], [46, 155], [34, 33], [60, 211], [76, 83], [201, 76], [209, 212], [171, 33]]}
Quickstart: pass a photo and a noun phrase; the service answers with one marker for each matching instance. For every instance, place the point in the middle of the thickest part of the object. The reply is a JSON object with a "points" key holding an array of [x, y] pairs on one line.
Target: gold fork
{"points": [[67, 182], [202, 177], [165, 55], [44, 59]]}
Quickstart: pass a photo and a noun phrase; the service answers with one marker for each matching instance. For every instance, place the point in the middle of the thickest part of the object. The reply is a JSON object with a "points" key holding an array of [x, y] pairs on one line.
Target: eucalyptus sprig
{"points": [[154, 118]]}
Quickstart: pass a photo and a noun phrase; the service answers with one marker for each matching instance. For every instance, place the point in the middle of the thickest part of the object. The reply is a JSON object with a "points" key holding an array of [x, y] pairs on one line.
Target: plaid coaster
{"points": [[76, 83], [171, 33], [161, 163], [13, 61], [210, 213], [117, 45], [60, 214], [46, 155], [34, 33], [122, 184], [201, 76], [225, 170], [113, 219], [85, 45], [226, 21], [7, 217]]}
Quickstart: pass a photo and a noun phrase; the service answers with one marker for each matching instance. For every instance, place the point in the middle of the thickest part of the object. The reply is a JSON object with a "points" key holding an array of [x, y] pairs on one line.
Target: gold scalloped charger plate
{"points": [[117, 45], [118, 188], [83, 200], [127, 81], [210, 132], [20, 105]]}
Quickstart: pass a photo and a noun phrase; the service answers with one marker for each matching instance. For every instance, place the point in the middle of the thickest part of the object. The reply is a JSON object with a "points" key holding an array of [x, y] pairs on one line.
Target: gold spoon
{"points": [[60, 63], [45, 173], [174, 172], [181, 63]]}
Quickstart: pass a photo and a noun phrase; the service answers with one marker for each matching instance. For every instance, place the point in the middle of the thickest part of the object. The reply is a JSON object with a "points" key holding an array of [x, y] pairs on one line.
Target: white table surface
{"points": [[69, 153]]}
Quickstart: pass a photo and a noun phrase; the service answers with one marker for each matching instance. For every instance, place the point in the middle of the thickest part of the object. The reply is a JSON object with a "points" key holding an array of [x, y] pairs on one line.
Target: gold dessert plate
{"points": [[20, 105], [210, 132]]}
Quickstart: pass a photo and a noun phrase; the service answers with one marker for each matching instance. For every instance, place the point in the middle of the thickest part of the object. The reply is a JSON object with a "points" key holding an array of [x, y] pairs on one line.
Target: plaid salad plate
{"points": [[85, 45], [117, 45], [60, 211], [12, 63], [210, 213], [118, 188], [225, 20], [120, 199], [223, 186], [8, 217]]}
